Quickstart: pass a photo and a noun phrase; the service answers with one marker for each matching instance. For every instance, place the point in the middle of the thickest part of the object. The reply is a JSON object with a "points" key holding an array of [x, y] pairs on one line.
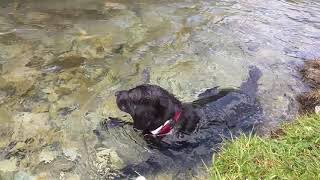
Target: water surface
{"points": [[62, 61]]}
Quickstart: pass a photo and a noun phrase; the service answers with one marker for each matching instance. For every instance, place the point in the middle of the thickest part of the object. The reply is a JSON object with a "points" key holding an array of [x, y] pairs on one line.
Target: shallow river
{"points": [[62, 61]]}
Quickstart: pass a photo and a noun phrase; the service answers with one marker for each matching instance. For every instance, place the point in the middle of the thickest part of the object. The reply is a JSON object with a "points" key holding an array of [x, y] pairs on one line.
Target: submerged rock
{"points": [[8, 165], [62, 165], [115, 6], [70, 176], [34, 17], [105, 155], [107, 164], [47, 156], [53, 169], [41, 107], [29, 124], [71, 153], [317, 109], [195, 21], [92, 47], [68, 62], [21, 79], [6, 127], [5, 25], [21, 175]]}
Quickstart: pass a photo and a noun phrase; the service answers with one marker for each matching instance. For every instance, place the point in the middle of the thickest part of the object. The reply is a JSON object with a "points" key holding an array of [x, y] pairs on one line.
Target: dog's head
{"points": [[123, 101], [150, 106], [142, 114]]}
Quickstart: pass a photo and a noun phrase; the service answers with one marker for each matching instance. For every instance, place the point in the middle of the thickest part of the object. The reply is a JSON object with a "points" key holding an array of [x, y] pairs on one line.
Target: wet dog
{"points": [[157, 112], [152, 106]]}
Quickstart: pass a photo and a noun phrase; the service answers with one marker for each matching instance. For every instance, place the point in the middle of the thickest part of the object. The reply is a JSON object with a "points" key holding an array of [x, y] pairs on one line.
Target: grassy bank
{"points": [[292, 154]]}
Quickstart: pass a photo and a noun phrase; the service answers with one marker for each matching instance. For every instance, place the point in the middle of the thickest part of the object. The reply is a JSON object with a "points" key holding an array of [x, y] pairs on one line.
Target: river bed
{"points": [[62, 61]]}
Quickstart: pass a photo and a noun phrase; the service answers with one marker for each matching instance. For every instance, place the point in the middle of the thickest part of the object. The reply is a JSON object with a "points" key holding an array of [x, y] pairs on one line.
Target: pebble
{"points": [[116, 6], [317, 109]]}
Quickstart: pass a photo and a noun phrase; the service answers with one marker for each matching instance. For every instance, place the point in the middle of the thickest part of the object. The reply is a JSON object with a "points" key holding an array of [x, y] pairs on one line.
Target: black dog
{"points": [[157, 112], [149, 105]]}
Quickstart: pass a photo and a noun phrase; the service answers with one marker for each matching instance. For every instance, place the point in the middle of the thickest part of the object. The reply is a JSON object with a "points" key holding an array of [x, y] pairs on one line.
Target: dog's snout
{"points": [[119, 93]]}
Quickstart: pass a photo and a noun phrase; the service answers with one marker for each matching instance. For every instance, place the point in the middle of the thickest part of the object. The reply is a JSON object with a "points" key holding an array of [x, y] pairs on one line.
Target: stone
{"points": [[195, 21], [3, 96], [37, 17], [20, 145], [93, 47], [70, 176], [5, 26], [29, 124], [51, 170], [104, 154], [69, 61], [136, 34], [8, 165], [317, 109], [43, 176], [63, 165], [152, 19], [64, 102], [115, 6], [47, 156], [53, 97], [71, 153], [5, 116], [22, 79], [21, 175], [41, 107], [6, 127]]}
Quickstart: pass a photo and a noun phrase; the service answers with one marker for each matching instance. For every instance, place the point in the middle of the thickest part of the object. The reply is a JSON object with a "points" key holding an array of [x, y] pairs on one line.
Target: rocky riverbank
{"points": [[310, 101]]}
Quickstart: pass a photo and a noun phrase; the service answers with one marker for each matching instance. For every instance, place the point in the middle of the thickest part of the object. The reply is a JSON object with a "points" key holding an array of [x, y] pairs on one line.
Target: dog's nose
{"points": [[117, 93]]}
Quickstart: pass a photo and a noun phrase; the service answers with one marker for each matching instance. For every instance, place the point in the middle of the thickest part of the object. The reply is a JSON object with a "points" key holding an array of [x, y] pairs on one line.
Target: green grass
{"points": [[295, 154]]}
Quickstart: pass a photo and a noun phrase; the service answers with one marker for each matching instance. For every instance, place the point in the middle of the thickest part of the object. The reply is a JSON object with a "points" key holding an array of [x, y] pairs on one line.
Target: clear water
{"points": [[62, 61]]}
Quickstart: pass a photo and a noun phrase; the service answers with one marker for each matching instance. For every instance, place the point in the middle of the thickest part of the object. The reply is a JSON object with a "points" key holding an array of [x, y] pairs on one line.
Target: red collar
{"points": [[167, 127]]}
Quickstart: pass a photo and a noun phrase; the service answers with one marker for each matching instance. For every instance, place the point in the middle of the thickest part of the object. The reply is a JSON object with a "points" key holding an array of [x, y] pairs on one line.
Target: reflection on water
{"points": [[61, 62]]}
